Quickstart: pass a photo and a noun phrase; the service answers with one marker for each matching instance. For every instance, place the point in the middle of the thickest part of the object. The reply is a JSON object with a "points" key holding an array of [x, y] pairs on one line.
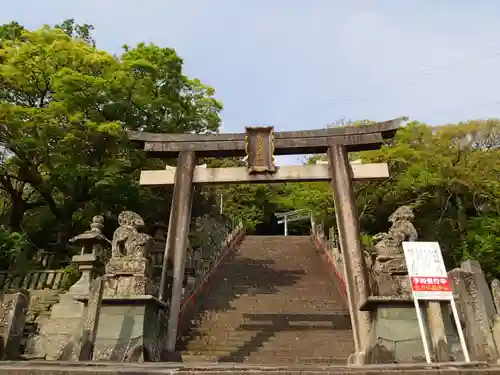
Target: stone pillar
{"points": [[349, 233], [484, 291], [333, 240], [82, 344], [131, 319], [177, 240], [437, 331], [473, 314], [495, 322], [13, 312]]}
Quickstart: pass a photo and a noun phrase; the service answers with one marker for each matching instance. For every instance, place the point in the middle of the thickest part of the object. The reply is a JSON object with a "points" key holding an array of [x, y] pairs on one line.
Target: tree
{"points": [[11, 31], [64, 109], [450, 176], [75, 31]]}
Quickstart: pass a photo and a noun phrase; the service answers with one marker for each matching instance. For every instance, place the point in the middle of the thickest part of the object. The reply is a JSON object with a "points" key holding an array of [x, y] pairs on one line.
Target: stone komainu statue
{"points": [[389, 271], [128, 240], [130, 247], [390, 244]]}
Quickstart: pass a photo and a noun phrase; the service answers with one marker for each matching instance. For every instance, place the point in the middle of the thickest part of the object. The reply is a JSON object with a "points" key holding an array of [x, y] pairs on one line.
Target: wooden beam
{"points": [[355, 138], [283, 146], [239, 175], [327, 132]]}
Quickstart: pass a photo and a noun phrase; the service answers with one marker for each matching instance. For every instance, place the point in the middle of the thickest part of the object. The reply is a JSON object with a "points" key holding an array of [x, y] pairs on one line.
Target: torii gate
{"points": [[260, 145], [290, 216]]}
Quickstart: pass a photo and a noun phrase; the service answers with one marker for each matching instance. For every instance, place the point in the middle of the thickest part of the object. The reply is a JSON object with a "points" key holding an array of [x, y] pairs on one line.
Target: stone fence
{"points": [[329, 251], [33, 280]]}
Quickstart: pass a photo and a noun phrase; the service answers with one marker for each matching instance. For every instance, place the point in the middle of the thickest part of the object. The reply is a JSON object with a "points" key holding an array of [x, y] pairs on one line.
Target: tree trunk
{"points": [[17, 212]]}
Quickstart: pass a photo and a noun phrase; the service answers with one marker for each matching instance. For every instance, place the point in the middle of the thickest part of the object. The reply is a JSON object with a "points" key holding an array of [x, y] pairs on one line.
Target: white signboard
{"points": [[430, 281], [428, 276]]}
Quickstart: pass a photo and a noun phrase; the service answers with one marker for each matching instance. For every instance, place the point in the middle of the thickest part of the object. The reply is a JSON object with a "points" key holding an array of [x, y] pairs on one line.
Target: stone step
{"points": [[207, 341], [194, 358], [321, 361], [296, 351], [208, 353], [237, 355], [200, 347], [288, 306], [232, 333], [274, 301]]}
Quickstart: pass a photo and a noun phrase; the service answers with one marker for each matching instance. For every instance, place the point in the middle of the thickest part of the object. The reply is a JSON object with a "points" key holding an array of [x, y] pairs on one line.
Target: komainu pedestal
{"points": [[395, 334], [131, 318]]}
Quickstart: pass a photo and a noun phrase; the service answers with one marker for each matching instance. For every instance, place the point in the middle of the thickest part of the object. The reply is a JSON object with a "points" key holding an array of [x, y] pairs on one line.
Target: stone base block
{"points": [[131, 329], [395, 334], [128, 265], [129, 285]]}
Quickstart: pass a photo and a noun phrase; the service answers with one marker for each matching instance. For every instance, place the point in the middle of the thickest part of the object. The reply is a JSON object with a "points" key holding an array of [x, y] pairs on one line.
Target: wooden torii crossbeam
{"points": [[239, 175], [354, 138], [260, 145]]}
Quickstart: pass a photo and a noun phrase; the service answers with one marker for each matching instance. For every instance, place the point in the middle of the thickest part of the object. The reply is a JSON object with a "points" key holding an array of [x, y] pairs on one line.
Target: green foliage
{"points": [[248, 203], [16, 251], [83, 32], [449, 175], [65, 107], [71, 274], [11, 31]]}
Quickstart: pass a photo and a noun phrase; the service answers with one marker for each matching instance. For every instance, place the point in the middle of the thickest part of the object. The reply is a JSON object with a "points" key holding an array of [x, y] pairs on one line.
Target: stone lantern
{"points": [[92, 257]]}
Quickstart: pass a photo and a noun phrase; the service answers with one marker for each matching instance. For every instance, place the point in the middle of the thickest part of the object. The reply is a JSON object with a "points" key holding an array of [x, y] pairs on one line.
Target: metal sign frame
{"points": [[430, 266]]}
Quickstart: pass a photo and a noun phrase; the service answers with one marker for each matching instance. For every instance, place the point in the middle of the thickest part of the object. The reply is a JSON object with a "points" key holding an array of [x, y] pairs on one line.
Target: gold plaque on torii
{"points": [[259, 147]]}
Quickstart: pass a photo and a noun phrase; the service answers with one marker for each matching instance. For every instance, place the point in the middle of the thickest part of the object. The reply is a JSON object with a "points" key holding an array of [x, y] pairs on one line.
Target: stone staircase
{"points": [[273, 302]]}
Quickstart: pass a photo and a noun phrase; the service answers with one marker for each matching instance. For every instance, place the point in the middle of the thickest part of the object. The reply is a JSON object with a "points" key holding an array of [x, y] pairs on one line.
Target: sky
{"points": [[299, 65]]}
